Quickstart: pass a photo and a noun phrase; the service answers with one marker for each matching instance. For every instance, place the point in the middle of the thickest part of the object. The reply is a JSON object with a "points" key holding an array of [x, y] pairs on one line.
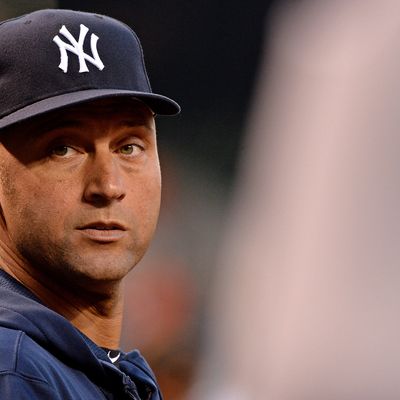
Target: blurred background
{"points": [[274, 271]]}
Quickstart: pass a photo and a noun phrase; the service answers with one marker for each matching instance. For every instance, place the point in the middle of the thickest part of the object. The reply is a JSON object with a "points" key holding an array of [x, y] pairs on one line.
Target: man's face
{"points": [[80, 190]]}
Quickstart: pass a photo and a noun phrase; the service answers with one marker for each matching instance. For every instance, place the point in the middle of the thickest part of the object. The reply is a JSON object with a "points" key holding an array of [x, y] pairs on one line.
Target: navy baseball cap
{"points": [[54, 58]]}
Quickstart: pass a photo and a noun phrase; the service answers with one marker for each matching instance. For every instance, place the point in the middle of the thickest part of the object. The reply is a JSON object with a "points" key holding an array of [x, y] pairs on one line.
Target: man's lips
{"points": [[104, 232], [104, 225]]}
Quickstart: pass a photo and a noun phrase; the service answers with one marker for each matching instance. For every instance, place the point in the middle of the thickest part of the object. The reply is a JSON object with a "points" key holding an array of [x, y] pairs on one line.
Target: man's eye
{"points": [[130, 149], [62, 151]]}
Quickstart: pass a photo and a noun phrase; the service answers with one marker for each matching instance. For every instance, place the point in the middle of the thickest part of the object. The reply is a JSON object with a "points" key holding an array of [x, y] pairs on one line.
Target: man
{"points": [[79, 195]]}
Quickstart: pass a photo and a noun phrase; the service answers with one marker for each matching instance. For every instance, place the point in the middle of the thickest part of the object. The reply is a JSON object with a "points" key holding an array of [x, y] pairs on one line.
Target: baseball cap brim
{"points": [[160, 105]]}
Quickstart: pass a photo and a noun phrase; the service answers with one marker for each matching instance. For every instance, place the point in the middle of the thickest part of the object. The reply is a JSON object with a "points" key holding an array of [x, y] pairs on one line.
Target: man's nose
{"points": [[104, 180]]}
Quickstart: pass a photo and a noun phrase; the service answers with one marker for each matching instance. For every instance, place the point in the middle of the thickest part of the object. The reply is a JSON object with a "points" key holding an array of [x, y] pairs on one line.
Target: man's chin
{"points": [[104, 268], [94, 272]]}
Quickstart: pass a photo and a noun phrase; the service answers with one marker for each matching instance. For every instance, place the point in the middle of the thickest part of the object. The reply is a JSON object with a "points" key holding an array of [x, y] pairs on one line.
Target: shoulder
{"points": [[17, 378], [26, 367], [9, 344], [19, 353]]}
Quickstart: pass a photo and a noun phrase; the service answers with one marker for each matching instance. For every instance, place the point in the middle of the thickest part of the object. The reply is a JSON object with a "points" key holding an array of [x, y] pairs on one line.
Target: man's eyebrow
{"points": [[47, 126], [132, 123], [39, 130], [55, 124]]}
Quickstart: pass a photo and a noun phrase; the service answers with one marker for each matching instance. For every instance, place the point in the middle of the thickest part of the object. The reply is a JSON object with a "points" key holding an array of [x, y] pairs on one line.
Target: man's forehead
{"points": [[119, 112]]}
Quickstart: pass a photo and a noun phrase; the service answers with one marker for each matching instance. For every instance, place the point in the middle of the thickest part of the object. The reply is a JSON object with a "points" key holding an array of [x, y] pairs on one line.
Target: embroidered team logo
{"points": [[76, 47]]}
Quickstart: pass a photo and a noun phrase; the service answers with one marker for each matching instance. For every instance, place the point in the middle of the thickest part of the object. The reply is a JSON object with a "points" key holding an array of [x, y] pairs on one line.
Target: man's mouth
{"points": [[103, 232], [104, 226]]}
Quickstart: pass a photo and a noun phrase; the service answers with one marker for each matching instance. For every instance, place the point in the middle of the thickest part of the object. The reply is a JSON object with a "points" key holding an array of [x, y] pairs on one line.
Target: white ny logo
{"points": [[76, 47]]}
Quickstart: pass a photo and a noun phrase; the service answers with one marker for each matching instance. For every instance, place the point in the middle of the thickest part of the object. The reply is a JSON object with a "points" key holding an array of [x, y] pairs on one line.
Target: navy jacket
{"points": [[43, 356]]}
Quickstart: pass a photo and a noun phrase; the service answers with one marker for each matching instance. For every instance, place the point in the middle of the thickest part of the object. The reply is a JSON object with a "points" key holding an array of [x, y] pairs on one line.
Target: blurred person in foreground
{"points": [[307, 300], [80, 196]]}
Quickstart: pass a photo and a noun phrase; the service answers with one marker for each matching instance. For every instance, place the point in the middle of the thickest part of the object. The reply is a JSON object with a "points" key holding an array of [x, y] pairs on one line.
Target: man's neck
{"points": [[97, 315]]}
